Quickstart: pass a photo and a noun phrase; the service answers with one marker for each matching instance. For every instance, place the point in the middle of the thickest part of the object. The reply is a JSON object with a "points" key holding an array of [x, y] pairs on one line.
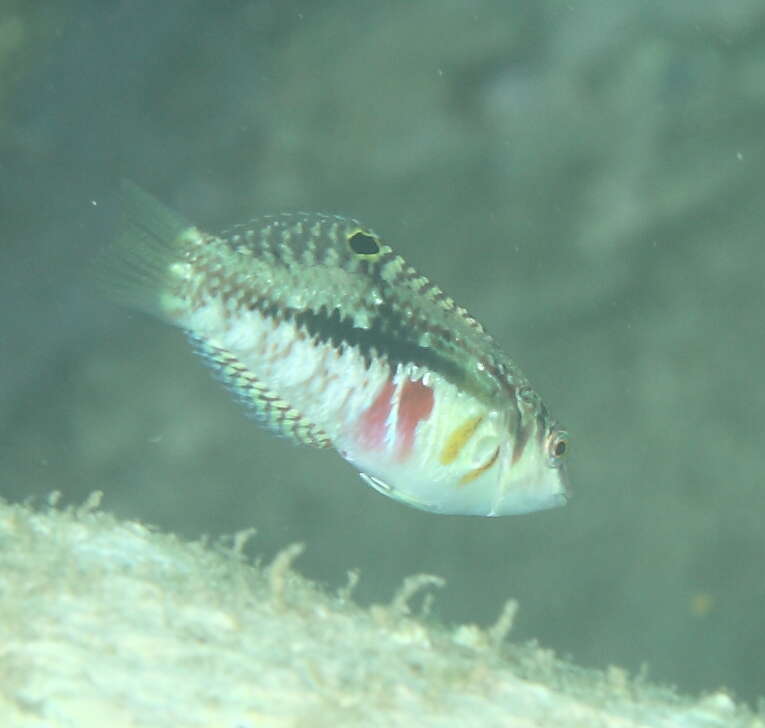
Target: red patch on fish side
{"points": [[415, 405], [372, 421]]}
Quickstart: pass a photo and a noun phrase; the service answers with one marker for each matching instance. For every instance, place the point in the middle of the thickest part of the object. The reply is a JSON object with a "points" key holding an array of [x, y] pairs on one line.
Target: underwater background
{"points": [[586, 178]]}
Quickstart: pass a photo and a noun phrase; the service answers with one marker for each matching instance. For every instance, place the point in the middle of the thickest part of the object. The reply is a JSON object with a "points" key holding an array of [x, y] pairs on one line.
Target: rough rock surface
{"points": [[110, 623]]}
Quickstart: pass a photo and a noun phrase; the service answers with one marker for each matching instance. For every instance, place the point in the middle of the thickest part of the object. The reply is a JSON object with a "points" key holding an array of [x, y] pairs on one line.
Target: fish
{"points": [[331, 339]]}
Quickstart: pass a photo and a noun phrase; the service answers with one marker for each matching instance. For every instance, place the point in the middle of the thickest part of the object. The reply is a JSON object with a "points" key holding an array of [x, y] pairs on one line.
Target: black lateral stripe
{"points": [[385, 338]]}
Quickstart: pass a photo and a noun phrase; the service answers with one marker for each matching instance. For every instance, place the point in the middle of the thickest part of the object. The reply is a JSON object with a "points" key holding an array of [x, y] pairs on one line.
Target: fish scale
{"points": [[330, 338], [267, 407]]}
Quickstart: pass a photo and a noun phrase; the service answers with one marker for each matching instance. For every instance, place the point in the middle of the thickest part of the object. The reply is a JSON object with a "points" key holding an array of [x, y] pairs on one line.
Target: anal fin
{"points": [[265, 406]]}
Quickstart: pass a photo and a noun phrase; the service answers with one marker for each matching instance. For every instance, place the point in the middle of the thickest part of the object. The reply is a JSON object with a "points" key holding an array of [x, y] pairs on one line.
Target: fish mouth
{"points": [[565, 485], [518, 504], [542, 488]]}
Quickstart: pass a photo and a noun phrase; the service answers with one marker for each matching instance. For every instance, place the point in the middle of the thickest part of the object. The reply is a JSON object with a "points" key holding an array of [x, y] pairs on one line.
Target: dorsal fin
{"points": [[265, 406]]}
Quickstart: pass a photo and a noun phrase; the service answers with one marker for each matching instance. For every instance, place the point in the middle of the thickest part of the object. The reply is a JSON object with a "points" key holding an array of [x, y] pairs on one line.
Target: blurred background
{"points": [[585, 177]]}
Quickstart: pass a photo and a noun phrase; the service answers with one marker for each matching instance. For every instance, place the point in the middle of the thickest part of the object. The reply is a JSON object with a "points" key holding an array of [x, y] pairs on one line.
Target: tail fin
{"points": [[135, 269]]}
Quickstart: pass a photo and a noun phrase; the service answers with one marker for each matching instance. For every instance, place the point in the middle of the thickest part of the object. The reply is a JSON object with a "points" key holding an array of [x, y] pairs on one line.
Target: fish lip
{"points": [[565, 484], [559, 494], [560, 499], [554, 500]]}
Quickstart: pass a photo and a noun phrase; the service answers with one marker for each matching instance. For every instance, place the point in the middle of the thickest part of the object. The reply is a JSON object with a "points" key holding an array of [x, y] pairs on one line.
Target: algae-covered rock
{"points": [[105, 622]]}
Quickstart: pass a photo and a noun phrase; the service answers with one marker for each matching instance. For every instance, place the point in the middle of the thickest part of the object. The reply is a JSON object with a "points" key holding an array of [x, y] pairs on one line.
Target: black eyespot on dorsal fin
{"points": [[363, 243]]}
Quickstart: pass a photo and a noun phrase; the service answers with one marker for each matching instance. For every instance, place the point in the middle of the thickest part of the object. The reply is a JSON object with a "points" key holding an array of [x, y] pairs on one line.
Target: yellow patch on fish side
{"points": [[473, 474], [458, 439]]}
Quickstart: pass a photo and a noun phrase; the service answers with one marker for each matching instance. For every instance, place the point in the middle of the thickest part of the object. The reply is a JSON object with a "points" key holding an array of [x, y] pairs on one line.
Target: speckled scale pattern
{"points": [[376, 292], [267, 407]]}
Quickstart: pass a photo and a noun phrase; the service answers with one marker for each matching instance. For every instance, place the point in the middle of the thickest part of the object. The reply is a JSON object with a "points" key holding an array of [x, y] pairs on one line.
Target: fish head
{"points": [[531, 471], [495, 462], [470, 459]]}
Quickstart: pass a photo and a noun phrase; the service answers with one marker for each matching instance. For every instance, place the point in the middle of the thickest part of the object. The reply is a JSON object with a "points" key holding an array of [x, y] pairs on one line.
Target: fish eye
{"points": [[558, 446], [363, 243]]}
